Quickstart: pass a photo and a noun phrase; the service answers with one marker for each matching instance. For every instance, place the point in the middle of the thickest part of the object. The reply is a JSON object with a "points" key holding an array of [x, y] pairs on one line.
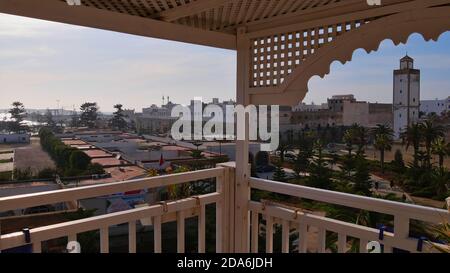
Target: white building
{"points": [[14, 138], [406, 95], [435, 106], [303, 107]]}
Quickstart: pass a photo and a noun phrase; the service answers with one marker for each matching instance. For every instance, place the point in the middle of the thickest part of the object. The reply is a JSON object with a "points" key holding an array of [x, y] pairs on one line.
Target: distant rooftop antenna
{"points": [[163, 100]]}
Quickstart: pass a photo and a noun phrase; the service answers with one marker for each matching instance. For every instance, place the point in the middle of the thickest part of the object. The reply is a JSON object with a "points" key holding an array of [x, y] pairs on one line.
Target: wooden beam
{"points": [[328, 17], [58, 11], [190, 9], [317, 13]]}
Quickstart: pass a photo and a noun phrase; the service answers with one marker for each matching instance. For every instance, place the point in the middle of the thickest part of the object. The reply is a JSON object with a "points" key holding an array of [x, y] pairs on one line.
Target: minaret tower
{"points": [[406, 95]]}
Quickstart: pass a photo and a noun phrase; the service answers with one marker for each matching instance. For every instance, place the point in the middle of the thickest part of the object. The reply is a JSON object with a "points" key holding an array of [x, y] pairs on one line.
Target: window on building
{"points": [[401, 91]]}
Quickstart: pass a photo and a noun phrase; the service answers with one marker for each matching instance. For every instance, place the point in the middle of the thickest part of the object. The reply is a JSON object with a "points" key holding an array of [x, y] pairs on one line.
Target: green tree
{"points": [[282, 149], [412, 136], [302, 160], [430, 132], [441, 149], [398, 162], [49, 120], [74, 120], [89, 114], [361, 177], [18, 114], [79, 160], [197, 154], [359, 134], [320, 174], [383, 136], [279, 174], [349, 139], [441, 182], [118, 121]]}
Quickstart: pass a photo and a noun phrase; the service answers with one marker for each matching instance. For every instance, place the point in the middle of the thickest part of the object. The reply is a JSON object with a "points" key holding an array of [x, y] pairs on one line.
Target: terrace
{"points": [[280, 45]]}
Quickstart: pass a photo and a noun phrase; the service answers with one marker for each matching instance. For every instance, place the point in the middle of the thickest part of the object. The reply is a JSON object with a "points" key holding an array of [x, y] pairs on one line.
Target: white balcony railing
{"points": [[233, 216], [169, 211]]}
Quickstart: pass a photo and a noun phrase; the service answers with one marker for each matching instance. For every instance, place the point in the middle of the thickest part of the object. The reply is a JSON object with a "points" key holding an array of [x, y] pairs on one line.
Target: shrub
{"points": [[79, 160], [46, 173], [70, 161]]}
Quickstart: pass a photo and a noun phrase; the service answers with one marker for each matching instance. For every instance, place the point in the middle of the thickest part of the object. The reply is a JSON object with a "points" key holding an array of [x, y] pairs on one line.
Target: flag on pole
{"points": [[161, 160]]}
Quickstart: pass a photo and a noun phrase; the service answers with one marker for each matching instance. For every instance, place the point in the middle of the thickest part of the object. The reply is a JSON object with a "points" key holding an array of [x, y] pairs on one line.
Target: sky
{"points": [[45, 64]]}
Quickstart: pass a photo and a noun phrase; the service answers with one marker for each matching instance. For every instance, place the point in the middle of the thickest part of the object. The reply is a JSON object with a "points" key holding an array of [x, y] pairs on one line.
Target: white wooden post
{"points": [[285, 237], [255, 231], [201, 230], [242, 190], [225, 208], [302, 237], [321, 237], [401, 227], [342, 243], [269, 234], [363, 245], [157, 234], [132, 237], [222, 228], [180, 231], [37, 247], [104, 240]]}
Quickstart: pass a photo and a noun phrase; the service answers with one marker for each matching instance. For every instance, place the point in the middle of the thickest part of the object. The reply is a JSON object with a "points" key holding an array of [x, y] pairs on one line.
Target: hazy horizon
{"points": [[44, 62]]}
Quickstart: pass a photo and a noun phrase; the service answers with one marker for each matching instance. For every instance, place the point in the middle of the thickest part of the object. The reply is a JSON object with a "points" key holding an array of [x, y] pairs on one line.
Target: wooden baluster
{"points": [[302, 237], [269, 234], [157, 234], [363, 245], [180, 232], [387, 249], [104, 240], [72, 238], [342, 243], [202, 230], [285, 237], [255, 231], [321, 237], [401, 228], [221, 212], [37, 247], [0, 236], [132, 237]]}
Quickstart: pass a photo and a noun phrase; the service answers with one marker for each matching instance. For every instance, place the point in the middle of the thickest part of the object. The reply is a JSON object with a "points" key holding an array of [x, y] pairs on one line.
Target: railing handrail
{"points": [[353, 201], [84, 192], [60, 230]]}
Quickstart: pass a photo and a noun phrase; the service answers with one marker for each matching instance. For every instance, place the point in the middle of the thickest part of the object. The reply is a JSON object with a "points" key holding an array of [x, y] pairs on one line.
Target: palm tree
{"points": [[430, 133], [441, 180], [349, 138], [412, 136], [362, 139], [359, 134], [383, 136], [441, 149]]}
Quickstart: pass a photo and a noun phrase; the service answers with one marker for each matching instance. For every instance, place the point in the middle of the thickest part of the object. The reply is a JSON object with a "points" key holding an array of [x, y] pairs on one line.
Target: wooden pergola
{"points": [[280, 44]]}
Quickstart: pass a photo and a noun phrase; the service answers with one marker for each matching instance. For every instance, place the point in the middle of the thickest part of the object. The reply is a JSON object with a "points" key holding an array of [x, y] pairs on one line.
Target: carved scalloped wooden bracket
{"points": [[429, 22]]}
